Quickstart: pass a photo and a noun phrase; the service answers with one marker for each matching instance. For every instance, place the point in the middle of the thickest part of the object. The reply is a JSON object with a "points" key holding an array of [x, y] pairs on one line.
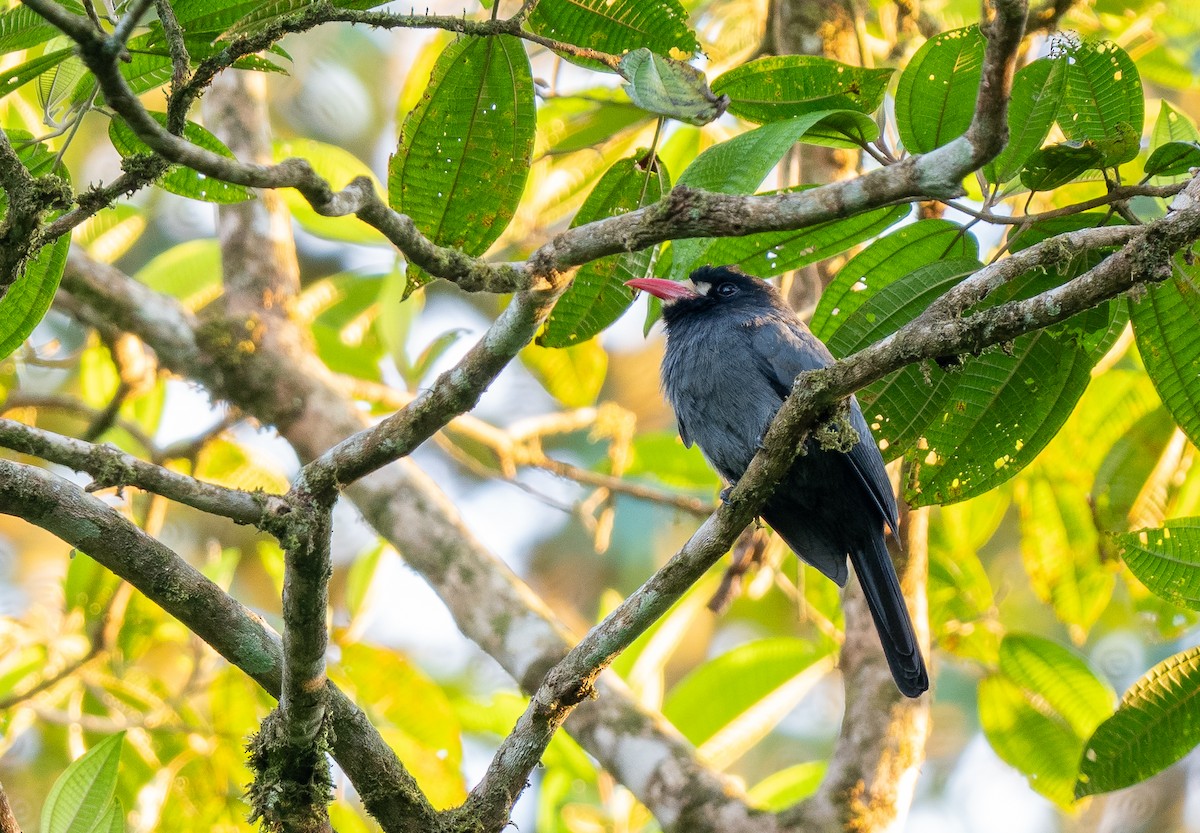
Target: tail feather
{"points": [[873, 566]]}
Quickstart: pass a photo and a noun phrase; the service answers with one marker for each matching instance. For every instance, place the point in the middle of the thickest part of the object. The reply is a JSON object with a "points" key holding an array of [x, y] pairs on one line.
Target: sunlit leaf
{"points": [[1103, 100], [1173, 159], [1167, 559], [935, 97], [1036, 95], [338, 167], [1164, 322], [82, 796], [1156, 724], [180, 179], [1039, 709], [572, 375], [189, 272], [1054, 166], [788, 786]]}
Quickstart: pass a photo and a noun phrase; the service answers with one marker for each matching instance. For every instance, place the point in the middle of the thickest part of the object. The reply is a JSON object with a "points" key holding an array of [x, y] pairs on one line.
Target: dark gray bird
{"points": [[734, 348]]}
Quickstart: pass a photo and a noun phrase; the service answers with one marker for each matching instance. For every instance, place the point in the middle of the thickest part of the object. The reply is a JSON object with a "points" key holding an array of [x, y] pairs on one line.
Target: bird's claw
{"points": [[725, 493]]}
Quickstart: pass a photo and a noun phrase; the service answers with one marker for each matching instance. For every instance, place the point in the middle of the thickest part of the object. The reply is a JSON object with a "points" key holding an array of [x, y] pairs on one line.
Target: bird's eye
{"points": [[726, 289]]}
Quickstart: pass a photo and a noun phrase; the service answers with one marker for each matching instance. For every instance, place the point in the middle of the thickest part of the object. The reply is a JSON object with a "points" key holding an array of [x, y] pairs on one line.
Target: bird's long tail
{"points": [[873, 565]]}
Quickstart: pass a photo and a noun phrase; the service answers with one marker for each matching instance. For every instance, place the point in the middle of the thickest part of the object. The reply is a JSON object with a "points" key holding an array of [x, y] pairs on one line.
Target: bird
{"points": [[734, 348]]}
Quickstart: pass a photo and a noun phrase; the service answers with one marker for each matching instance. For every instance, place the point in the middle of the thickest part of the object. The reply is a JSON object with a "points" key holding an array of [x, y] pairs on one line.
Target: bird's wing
{"points": [[683, 432], [784, 351]]}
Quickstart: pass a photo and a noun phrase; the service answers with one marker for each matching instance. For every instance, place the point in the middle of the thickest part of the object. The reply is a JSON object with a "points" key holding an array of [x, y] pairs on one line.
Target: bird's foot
{"points": [[725, 493]]}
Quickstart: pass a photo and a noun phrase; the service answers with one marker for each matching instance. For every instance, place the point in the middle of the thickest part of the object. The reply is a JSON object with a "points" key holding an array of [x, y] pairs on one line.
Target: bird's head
{"points": [[713, 289]]}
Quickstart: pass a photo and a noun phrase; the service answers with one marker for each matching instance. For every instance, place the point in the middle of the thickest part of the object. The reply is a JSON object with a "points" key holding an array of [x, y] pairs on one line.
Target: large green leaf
{"points": [[1156, 724], [736, 166], [1164, 323], [84, 794], [21, 27], [616, 27], [465, 148], [213, 18], [598, 295], [883, 262], [772, 253], [1167, 559], [1172, 126], [1055, 165], [180, 179], [780, 87], [20, 75], [1173, 159], [935, 97], [189, 272], [569, 123], [737, 698], [1103, 102], [1036, 95], [28, 299], [1039, 709]]}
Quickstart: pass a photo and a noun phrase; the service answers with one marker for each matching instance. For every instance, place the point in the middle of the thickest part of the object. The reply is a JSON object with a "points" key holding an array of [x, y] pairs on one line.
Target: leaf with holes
{"points": [[1167, 560], [1036, 95], [616, 27], [935, 97], [1103, 100], [772, 253], [775, 88], [1164, 324], [1039, 709], [180, 179], [1156, 724], [598, 295], [465, 148]]}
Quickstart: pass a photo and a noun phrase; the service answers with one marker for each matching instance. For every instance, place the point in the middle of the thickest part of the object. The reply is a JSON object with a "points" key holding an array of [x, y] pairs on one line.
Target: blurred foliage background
{"points": [[1027, 569]]}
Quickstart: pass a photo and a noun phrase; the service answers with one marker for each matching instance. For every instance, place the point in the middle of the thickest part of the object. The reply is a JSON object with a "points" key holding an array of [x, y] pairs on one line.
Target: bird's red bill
{"points": [[666, 290]]}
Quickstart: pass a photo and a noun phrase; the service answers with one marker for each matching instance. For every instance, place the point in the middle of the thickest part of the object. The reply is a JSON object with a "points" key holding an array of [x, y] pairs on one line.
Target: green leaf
{"points": [[1172, 126], [189, 272], [22, 28], [1167, 560], [465, 149], [1129, 463], [1054, 166], [788, 786], [29, 297], [935, 97], [1164, 324], [180, 179], [64, 85], [736, 166], [771, 253], [572, 375], [1036, 95], [225, 19], [1173, 159], [616, 27], [1103, 99], [598, 295], [82, 796], [670, 88], [663, 456], [20, 75], [884, 261], [775, 88], [568, 123], [1038, 710], [734, 700], [240, 467], [1156, 724]]}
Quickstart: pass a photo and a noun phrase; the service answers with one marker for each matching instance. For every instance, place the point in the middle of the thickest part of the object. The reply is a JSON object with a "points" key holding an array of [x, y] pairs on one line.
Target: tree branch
{"points": [[236, 633], [109, 466]]}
